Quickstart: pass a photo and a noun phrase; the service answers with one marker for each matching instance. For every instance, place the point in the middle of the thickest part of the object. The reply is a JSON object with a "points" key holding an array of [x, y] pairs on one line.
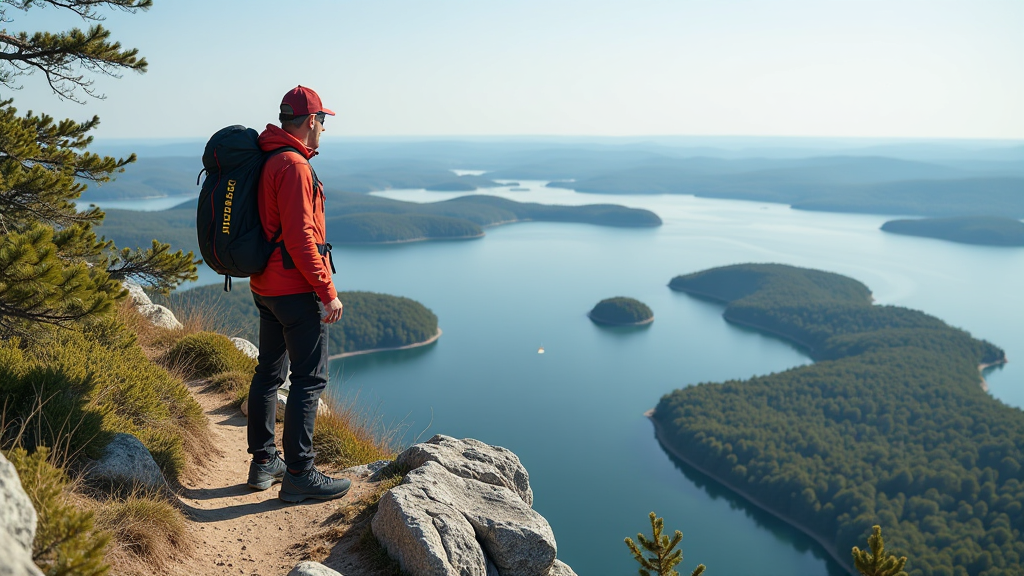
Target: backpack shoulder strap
{"points": [[317, 184]]}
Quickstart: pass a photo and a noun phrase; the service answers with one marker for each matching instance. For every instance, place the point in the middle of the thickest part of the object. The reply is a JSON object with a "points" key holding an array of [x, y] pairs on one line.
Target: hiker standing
{"points": [[296, 299]]}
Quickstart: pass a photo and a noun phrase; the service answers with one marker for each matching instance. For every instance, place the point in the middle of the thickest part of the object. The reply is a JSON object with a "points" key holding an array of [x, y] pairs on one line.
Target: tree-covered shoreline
{"points": [[371, 321], [888, 427], [978, 230]]}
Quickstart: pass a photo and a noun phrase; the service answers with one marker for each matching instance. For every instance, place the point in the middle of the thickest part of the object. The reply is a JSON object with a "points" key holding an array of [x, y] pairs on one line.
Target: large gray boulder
{"points": [[469, 458], [17, 524], [312, 569], [127, 461], [160, 316], [436, 523], [137, 294]]}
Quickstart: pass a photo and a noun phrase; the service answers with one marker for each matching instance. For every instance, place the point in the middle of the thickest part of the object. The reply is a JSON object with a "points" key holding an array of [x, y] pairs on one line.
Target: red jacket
{"points": [[288, 203]]}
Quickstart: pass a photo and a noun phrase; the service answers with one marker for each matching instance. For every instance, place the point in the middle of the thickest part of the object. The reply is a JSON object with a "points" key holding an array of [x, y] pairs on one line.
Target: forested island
{"points": [[889, 427], [371, 321], [621, 311], [364, 219], [983, 230]]}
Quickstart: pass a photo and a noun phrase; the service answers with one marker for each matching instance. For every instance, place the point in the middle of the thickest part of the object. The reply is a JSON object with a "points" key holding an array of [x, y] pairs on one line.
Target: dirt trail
{"points": [[238, 530]]}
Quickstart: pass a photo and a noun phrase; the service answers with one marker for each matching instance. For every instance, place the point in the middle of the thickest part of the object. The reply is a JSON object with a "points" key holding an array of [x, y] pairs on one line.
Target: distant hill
{"points": [[984, 230], [370, 320], [362, 219], [889, 427]]}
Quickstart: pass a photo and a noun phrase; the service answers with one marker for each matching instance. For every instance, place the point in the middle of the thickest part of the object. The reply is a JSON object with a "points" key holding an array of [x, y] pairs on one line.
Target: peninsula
{"points": [[889, 427], [363, 219], [982, 230], [621, 311]]}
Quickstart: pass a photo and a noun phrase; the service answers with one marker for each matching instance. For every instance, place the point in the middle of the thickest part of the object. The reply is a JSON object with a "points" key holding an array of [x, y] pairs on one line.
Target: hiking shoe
{"points": [[312, 484], [263, 476]]}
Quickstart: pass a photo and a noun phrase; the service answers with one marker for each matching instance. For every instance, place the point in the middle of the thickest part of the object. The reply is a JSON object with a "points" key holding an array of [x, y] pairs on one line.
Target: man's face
{"points": [[313, 137]]}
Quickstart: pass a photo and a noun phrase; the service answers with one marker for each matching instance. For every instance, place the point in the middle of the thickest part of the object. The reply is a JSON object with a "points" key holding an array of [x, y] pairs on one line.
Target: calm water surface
{"points": [[574, 414]]}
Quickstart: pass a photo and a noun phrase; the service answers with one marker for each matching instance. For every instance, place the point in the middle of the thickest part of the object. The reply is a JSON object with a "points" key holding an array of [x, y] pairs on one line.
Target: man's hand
{"points": [[332, 311]]}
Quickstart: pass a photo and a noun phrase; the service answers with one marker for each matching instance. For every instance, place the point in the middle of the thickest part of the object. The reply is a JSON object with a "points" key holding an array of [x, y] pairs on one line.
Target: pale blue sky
{"points": [[865, 68]]}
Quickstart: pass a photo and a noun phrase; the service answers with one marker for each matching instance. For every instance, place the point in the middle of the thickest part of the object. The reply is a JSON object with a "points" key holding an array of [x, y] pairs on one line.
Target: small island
{"points": [[621, 311], [981, 230]]}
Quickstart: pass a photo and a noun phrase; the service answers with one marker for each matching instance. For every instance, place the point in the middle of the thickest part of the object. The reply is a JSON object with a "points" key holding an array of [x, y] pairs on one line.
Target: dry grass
{"points": [[195, 316], [148, 531], [346, 437]]}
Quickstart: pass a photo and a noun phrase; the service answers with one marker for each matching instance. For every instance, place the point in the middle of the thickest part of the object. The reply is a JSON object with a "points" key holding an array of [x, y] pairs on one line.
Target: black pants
{"points": [[290, 327]]}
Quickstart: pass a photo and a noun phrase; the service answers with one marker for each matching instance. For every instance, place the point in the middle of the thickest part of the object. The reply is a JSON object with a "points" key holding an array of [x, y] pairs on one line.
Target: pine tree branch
{"points": [[84, 8]]}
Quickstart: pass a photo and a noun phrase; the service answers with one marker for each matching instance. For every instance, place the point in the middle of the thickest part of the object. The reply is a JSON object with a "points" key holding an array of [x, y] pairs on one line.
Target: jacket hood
{"points": [[274, 137]]}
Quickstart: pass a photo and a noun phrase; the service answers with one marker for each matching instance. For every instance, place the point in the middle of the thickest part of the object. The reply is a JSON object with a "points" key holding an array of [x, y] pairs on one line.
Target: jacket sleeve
{"points": [[296, 204]]}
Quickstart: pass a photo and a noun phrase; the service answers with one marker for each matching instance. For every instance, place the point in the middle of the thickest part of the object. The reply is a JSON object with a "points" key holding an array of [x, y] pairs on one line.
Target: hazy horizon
{"points": [[904, 69]]}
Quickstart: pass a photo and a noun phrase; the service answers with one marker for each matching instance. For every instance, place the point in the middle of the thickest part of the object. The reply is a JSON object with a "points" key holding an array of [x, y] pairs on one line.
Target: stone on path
{"points": [[127, 461], [312, 569]]}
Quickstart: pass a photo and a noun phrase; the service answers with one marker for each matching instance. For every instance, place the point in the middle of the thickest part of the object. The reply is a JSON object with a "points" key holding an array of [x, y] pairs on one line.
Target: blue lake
{"points": [[574, 414]]}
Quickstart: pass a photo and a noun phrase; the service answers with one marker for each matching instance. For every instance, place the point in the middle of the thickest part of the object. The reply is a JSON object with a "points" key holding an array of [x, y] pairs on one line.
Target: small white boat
{"points": [[540, 350]]}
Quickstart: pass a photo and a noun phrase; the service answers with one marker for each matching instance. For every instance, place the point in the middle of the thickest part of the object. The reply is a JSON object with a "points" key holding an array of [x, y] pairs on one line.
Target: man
{"points": [[296, 299]]}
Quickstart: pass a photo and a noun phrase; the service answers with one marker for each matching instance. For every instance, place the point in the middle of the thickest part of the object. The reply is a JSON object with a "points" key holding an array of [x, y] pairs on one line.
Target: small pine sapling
{"points": [[875, 562], [664, 556]]}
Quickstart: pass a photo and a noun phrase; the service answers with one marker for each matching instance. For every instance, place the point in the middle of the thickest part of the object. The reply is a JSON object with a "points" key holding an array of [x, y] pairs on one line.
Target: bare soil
{"points": [[238, 530]]}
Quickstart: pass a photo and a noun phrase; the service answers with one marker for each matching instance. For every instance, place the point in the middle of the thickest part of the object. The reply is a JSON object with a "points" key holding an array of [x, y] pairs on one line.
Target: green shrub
{"points": [[206, 354], [234, 383], [66, 541], [71, 391]]}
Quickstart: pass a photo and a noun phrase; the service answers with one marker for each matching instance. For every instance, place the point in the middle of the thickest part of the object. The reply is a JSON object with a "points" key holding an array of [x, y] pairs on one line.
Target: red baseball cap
{"points": [[302, 101]]}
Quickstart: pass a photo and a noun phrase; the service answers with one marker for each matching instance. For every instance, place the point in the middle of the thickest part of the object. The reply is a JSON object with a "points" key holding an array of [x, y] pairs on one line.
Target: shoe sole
{"points": [[264, 485], [295, 498]]}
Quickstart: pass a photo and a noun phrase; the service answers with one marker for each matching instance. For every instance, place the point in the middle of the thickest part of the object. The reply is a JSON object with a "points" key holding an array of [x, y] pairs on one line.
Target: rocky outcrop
{"points": [[127, 461], [473, 459], [312, 569], [464, 508], [17, 524]]}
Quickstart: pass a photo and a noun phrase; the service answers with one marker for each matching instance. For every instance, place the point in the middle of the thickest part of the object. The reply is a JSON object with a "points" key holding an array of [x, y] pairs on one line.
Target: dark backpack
{"points": [[228, 223]]}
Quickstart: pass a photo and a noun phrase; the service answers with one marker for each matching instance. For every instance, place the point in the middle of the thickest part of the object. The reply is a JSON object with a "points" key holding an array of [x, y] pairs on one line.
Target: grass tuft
{"points": [[345, 437], [234, 383], [146, 528]]}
